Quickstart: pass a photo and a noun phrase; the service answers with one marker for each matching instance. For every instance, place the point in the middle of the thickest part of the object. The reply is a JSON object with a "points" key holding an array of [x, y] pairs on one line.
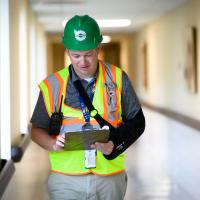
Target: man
{"points": [[98, 173]]}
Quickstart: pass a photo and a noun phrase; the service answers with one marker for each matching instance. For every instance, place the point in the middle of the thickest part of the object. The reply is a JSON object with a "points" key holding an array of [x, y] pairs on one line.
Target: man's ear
{"points": [[67, 51], [98, 50]]}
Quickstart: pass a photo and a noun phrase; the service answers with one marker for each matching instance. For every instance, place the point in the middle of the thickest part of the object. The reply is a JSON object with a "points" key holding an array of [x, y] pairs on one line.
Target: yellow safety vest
{"points": [[72, 162]]}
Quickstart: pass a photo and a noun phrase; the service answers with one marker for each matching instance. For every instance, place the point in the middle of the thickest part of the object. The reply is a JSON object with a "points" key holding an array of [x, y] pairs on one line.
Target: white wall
{"points": [[166, 39], [38, 59], [28, 64], [5, 124], [22, 67], [14, 73]]}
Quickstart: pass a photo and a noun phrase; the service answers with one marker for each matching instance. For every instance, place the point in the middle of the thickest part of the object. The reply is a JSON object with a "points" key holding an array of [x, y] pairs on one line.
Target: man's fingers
{"points": [[61, 138], [59, 143], [105, 148]]}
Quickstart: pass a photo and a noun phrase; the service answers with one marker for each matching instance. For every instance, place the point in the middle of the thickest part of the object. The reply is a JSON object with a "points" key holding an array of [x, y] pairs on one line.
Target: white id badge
{"points": [[90, 158]]}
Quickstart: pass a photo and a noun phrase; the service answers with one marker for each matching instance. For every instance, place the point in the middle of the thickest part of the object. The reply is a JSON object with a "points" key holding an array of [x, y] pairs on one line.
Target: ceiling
{"points": [[51, 13]]}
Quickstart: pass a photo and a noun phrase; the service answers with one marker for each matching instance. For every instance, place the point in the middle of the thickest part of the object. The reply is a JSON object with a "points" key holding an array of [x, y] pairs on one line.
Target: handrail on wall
{"points": [[6, 173], [7, 167]]}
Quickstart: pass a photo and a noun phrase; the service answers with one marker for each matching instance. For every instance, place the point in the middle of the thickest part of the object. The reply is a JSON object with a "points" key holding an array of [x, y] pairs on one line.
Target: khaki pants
{"points": [[87, 187]]}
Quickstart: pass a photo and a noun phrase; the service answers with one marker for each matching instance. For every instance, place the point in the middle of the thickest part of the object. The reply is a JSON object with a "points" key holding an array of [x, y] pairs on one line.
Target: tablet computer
{"points": [[82, 140]]}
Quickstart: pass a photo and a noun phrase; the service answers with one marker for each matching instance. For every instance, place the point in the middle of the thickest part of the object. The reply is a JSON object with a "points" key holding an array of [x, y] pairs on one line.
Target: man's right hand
{"points": [[60, 142]]}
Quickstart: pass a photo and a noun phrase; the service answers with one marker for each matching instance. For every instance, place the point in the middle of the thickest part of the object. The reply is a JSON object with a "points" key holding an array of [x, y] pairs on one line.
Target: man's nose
{"points": [[83, 60]]}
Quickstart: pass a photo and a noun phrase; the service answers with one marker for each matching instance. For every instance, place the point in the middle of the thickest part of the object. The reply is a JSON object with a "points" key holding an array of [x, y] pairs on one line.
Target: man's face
{"points": [[84, 62]]}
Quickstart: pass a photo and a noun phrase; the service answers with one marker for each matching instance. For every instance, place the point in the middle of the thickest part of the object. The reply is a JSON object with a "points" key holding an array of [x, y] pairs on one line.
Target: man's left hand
{"points": [[105, 148]]}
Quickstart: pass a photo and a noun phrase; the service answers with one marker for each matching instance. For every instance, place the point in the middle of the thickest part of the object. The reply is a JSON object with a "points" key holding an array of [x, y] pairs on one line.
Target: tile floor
{"points": [[164, 164]]}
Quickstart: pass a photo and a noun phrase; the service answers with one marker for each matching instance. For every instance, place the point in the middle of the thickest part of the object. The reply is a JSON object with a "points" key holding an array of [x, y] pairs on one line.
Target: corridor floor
{"points": [[164, 164]]}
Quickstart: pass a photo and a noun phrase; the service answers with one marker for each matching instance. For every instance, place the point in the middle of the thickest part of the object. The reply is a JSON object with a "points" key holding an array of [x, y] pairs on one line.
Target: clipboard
{"points": [[81, 140]]}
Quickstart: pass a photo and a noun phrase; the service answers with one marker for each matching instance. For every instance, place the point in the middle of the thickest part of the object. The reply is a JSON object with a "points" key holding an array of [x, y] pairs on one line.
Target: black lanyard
{"points": [[93, 112], [86, 112]]}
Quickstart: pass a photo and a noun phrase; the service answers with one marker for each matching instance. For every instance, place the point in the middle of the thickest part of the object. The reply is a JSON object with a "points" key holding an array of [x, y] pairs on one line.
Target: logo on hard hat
{"points": [[80, 35]]}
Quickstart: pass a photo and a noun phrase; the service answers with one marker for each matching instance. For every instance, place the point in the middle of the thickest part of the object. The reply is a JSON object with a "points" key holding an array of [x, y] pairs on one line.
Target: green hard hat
{"points": [[81, 33]]}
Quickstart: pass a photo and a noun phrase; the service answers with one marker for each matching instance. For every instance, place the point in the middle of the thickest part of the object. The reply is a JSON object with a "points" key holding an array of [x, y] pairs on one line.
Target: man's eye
{"points": [[76, 56]]}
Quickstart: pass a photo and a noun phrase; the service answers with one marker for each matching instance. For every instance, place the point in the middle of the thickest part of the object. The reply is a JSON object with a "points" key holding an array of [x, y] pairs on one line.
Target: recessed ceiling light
{"points": [[109, 23], [106, 39], [112, 23]]}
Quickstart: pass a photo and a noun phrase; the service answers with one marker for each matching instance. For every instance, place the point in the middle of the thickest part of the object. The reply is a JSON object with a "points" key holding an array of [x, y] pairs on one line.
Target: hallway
{"points": [[158, 49], [162, 165]]}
